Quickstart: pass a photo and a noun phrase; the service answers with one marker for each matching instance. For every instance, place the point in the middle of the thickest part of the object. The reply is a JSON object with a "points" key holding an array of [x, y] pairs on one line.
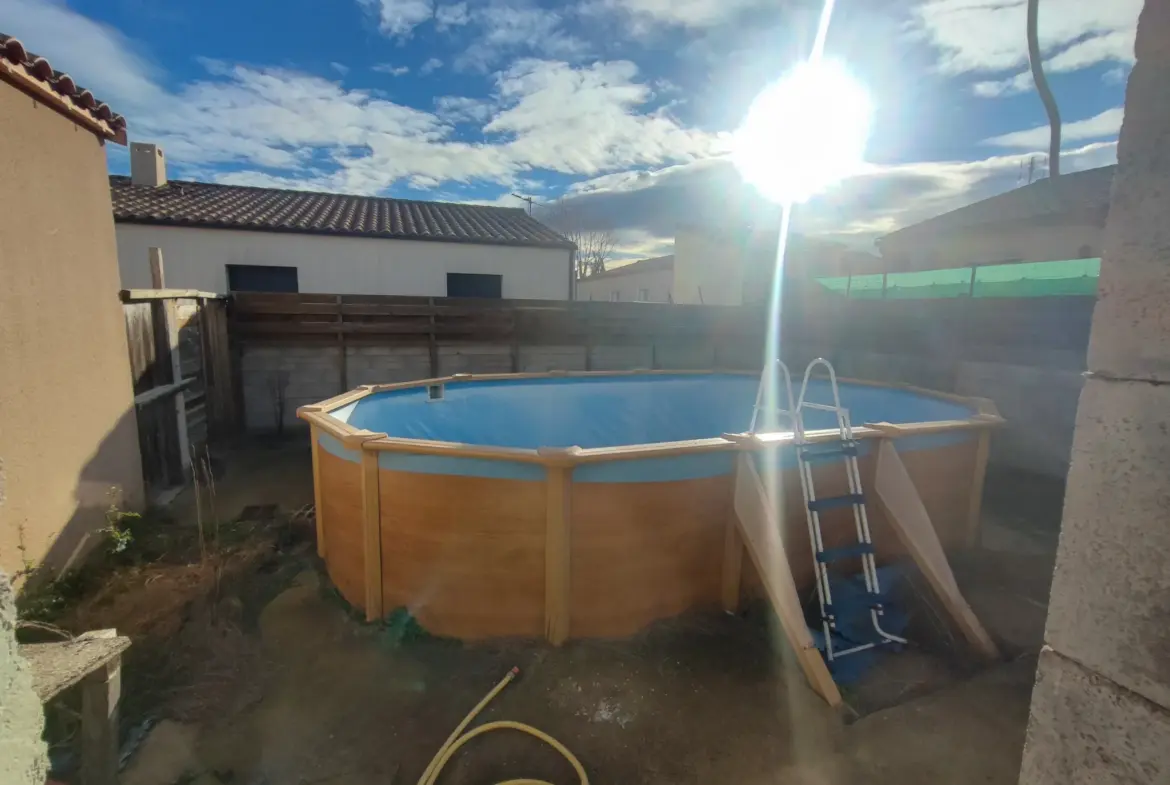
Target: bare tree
{"points": [[595, 247]]}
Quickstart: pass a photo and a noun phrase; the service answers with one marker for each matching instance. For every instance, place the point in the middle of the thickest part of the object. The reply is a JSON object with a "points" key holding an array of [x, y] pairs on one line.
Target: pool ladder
{"points": [[844, 449]]}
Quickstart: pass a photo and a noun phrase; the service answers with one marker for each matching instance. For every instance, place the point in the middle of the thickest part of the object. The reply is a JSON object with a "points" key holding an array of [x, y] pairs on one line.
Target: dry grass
{"points": [[188, 612]]}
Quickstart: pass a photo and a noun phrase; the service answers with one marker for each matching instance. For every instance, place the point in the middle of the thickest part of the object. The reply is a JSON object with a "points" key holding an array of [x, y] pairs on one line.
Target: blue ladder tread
{"points": [[872, 601], [844, 552], [834, 502], [845, 448]]}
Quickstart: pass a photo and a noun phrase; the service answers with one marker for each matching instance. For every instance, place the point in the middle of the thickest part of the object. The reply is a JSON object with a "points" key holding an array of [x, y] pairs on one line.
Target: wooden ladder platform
{"points": [[907, 516], [759, 529]]}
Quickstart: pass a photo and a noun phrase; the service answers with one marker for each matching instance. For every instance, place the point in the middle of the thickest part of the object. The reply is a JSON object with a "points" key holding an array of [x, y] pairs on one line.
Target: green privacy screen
{"points": [[1019, 279]]}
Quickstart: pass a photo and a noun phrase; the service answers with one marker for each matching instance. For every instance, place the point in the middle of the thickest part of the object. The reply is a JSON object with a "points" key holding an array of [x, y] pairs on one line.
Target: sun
{"points": [[804, 133]]}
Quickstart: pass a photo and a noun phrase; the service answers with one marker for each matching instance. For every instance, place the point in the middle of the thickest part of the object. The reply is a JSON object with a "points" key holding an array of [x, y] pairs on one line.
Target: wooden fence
{"points": [[431, 321], [180, 363]]}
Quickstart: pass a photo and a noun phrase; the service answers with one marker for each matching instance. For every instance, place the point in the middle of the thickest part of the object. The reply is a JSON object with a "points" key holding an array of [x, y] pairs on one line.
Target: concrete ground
{"points": [[703, 699]]}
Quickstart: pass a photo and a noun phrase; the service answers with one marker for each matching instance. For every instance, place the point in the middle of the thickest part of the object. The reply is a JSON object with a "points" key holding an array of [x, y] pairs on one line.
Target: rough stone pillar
{"points": [[1101, 704], [22, 753]]}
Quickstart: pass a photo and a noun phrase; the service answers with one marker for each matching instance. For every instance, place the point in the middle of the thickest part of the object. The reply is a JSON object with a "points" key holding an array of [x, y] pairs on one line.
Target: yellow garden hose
{"points": [[457, 739]]}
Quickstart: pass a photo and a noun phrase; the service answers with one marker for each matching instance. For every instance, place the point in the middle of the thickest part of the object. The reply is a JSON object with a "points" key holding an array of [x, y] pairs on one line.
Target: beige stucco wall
{"points": [[628, 286], [996, 244], [67, 430], [198, 259], [708, 268]]}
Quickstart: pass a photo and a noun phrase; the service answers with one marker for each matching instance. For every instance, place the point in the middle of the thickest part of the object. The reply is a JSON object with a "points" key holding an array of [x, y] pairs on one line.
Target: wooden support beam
{"points": [[342, 358], [100, 692], [171, 325], [907, 516], [154, 393], [372, 535], [318, 510], [760, 529], [432, 339], [732, 573], [557, 547], [146, 295], [979, 476]]}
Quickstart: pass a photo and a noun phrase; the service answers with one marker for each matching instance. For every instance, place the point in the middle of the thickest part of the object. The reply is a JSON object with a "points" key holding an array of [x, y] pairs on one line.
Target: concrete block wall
{"points": [[536, 359], [1101, 704], [386, 364], [1040, 405], [474, 358], [689, 357], [1035, 392], [306, 374], [622, 358]]}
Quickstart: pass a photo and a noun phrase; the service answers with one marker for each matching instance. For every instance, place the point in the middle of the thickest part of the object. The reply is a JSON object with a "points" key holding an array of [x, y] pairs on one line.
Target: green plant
{"points": [[118, 534]]}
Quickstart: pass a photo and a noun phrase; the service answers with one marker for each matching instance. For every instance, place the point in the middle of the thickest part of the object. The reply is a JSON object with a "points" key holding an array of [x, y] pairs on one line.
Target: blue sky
{"points": [[623, 108]]}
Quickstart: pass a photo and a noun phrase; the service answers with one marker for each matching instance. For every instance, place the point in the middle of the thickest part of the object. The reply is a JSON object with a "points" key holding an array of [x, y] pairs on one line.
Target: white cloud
{"points": [[586, 120], [461, 109], [988, 36], [510, 26], [1106, 124], [97, 56], [454, 15], [430, 66], [650, 204], [682, 13], [391, 69], [340, 68], [399, 17], [1016, 84]]}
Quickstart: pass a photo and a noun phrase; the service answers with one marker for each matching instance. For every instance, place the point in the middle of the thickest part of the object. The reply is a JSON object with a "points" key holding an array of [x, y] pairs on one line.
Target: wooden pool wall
{"points": [[479, 542]]}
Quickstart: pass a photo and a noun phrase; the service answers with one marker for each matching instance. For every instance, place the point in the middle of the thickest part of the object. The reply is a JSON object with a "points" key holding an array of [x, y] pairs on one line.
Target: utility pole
{"points": [[1049, 100], [528, 199]]}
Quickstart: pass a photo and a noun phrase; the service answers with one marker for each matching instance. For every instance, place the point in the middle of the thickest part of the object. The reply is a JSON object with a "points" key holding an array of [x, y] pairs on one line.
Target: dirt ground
{"points": [[326, 700]]}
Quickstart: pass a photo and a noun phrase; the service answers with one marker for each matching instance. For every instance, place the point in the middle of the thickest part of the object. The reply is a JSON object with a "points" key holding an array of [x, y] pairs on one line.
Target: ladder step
{"points": [[809, 455], [846, 552], [833, 502], [872, 601]]}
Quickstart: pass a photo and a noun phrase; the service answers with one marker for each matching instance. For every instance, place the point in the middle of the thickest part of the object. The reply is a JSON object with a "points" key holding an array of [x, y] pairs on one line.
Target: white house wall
{"points": [[628, 286], [198, 259]]}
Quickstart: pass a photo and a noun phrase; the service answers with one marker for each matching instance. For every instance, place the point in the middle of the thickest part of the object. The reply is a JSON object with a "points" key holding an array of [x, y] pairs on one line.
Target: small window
{"points": [[261, 278], [434, 392], [475, 285], [615, 297], [643, 295]]}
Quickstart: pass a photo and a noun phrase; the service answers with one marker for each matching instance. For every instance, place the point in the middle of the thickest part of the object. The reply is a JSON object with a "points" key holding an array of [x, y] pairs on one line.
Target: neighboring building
{"points": [[1048, 220], [644, 281], [223, 238], [67, 429], [714, 266]]}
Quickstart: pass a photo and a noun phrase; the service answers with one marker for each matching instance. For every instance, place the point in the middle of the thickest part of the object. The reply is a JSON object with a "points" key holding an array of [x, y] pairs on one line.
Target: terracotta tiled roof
{"points": [[188, 203], [33, 74]]}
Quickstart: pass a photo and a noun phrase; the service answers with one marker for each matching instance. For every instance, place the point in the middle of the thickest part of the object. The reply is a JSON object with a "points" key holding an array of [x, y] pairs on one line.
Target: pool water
{"points": [[610, 411]]}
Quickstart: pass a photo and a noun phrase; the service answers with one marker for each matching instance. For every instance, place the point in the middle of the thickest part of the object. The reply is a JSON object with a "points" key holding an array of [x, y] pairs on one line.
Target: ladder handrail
{"points": [[860, 518], [780, 368]]}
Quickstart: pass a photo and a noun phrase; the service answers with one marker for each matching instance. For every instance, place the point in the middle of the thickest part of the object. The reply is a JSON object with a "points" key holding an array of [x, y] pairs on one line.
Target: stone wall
{"points": [[22, 753]]}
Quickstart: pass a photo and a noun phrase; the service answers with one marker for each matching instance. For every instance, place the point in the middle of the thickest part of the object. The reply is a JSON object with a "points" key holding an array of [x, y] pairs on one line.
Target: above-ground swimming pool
{"points": [[591, 504]]}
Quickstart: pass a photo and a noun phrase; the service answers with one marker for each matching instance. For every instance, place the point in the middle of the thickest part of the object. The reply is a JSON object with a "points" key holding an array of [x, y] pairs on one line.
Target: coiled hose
{"points": [[458, 738]]}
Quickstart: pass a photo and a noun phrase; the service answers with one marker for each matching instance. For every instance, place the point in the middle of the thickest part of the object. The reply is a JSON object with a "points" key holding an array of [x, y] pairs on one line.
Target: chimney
{"points": [[148, 165]]}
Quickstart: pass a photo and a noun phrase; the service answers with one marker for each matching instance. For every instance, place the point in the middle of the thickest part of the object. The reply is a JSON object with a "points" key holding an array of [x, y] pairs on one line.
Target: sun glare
{"points": [[804, 133]]}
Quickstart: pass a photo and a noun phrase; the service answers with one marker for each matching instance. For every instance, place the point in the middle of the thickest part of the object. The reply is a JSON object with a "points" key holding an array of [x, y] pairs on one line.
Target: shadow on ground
{"points": [[703, 699]]}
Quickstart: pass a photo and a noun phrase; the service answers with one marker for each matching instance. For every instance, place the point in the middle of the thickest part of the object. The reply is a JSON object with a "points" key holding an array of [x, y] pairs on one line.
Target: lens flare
{"points": [[804, 133]]}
